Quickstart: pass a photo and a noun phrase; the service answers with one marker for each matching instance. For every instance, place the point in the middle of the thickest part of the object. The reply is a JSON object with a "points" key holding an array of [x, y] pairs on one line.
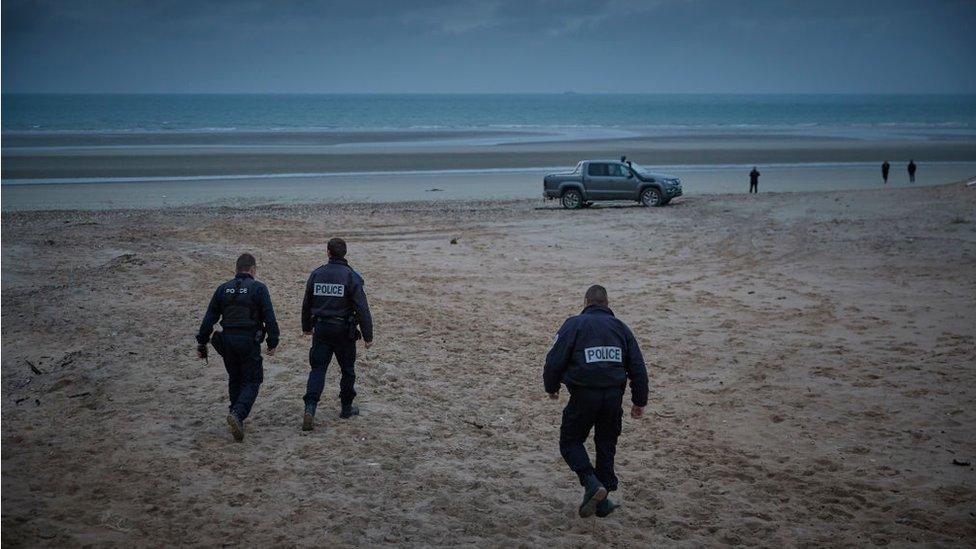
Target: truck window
{"points": [[618, 170], [597, 169]]}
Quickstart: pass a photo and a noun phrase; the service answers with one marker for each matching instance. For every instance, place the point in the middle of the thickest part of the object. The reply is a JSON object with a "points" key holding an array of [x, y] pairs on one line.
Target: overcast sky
{"points": [[699, 46]]}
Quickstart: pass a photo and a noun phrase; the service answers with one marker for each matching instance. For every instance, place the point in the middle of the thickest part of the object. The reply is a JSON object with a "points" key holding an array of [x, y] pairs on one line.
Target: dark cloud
{"points": [[489, 46]]}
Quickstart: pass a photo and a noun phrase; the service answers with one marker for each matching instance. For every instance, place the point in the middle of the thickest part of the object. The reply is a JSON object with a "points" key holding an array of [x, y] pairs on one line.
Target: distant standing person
{"points": [[243, 307], [334, 305], [911, 171], [754, 180], [594, 355], [885, 168]]}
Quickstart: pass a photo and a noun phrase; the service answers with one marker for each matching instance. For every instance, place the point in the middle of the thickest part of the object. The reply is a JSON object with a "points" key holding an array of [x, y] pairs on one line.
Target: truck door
{"points": [[623, 184], [599, 184]]}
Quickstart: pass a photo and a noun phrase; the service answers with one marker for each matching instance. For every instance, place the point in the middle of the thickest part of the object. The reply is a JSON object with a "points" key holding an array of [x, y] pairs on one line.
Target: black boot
{"points": [[348, 410], [308, 420], [593, 493], [236, 426], [605, 507]]}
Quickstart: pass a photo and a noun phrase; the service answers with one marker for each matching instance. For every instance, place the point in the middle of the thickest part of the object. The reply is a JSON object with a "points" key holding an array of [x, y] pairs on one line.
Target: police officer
{"points": [[594, 355], [243, 307], [334, 304]]}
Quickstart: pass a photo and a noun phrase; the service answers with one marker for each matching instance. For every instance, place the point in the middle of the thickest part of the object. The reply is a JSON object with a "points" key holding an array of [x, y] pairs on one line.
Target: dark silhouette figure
{"points": [[885, 168], [754, 180], [911, 171]]}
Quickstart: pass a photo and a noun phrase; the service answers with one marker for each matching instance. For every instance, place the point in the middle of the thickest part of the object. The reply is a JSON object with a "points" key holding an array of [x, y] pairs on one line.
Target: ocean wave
{"points": [[515, 128]]}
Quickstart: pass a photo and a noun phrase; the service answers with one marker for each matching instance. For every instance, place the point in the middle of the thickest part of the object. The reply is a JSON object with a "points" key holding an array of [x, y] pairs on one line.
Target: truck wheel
{"points": [[650, 197], [572, 199]]}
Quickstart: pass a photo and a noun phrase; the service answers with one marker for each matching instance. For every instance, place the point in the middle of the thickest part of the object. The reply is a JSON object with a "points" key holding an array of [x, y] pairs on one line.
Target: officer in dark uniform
{"points": [[243, 307], [594, 355], [334, 305], [754, 180]]}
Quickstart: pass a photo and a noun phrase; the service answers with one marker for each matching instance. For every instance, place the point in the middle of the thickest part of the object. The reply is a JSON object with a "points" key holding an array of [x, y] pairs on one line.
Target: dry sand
{"points": [[813, 364]]}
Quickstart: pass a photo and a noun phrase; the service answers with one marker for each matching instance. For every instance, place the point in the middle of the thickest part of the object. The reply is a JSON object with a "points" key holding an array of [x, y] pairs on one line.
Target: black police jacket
{"points": [[241, 303], [335, 290], [595, 349]]}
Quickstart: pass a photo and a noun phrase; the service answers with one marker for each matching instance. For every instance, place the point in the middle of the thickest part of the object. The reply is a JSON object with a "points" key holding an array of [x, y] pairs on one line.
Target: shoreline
{"points": [[150, 175], [195, 161]]}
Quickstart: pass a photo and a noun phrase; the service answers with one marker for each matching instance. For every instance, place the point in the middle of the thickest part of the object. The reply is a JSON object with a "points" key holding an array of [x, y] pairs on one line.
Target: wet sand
{"points": [[441, 186], [811, 359], [144, 156], [239, 169]]}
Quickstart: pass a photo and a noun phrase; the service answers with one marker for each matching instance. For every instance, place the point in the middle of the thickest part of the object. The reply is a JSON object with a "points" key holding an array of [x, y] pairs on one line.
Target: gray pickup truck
{"points": [[610, 180]]}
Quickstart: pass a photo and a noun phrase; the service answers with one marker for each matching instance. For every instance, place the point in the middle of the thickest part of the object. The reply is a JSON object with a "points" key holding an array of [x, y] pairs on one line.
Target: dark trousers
{"points": [[911, 177], [754, 188], [331, 339], [245, 373], [592, 408]]}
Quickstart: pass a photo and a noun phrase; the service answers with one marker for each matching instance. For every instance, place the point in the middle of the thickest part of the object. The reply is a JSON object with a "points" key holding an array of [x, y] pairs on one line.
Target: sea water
{"points": [[844, 115]]}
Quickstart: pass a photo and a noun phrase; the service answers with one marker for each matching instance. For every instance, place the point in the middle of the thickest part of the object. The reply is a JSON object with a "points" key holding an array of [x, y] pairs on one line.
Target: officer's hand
{"points": [[201, 352], [553, 396], [637, 412], [368, 344], [306, 334], [271, 351]]}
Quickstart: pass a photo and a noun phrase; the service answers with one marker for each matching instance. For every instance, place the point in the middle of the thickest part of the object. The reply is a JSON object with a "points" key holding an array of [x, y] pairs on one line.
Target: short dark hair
{"points": [[597, 295], [246, 261], [337, 248]]}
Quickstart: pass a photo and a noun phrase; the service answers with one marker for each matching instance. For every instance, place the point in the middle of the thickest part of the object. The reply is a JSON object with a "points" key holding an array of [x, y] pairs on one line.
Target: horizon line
{"points": [[390, 93]]}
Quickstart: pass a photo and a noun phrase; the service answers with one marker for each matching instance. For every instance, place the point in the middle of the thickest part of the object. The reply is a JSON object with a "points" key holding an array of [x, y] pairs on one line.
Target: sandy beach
{"points": [[811, 359], [438, 186]]}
